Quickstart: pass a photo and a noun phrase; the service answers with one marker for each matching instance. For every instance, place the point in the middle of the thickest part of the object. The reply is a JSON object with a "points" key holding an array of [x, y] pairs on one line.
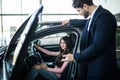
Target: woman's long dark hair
{"points": [[69, 48]]}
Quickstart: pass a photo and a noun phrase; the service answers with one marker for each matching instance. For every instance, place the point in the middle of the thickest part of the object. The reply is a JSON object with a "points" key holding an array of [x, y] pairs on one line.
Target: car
{"points": [[46, 35]]}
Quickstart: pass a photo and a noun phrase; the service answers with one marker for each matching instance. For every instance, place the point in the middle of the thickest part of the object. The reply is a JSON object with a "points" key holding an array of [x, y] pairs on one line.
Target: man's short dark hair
{"points": [[79, 3]]}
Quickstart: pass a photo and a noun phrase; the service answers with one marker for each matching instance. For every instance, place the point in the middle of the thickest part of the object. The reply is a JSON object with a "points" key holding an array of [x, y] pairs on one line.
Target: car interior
{"points": [[52, 45]]}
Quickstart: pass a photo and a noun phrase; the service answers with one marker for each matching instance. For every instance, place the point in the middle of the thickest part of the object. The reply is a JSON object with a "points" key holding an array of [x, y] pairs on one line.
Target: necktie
{"points": [[89, 23]]}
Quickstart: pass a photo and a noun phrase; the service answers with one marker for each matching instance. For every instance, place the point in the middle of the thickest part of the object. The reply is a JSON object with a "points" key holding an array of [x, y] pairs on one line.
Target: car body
{"points": [[45, 34]]}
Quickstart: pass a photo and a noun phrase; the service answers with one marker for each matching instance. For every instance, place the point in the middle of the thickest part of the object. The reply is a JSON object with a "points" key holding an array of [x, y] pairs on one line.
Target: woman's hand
{"points": [[37, 67], [36, 45], [40, 66], [44, 66]]}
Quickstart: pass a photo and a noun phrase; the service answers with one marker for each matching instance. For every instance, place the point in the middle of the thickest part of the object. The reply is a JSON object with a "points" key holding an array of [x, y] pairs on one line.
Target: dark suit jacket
{"points": [[98, 45]]}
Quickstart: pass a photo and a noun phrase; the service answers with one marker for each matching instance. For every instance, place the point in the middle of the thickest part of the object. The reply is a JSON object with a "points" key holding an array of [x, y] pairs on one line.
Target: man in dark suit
{"points": [[97, 48]]}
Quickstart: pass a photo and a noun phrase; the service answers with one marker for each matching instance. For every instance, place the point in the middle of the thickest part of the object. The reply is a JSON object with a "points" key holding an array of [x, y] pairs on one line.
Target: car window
{"points": [[52, 39]]}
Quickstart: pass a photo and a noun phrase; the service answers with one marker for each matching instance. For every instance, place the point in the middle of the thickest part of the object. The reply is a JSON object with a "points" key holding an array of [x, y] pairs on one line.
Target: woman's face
{"points": [[62, 44]]}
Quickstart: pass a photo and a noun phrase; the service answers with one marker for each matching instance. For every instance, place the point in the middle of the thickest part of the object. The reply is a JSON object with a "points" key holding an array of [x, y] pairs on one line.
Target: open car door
{"points": [[17, 46]]}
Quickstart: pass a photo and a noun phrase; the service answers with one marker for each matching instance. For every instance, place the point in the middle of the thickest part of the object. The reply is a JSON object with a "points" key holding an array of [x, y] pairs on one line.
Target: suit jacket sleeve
{"points": [[78, 22]]}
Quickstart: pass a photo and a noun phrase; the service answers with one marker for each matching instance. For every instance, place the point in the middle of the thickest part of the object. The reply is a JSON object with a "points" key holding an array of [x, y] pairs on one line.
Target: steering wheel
{"points": [[34, 56]]}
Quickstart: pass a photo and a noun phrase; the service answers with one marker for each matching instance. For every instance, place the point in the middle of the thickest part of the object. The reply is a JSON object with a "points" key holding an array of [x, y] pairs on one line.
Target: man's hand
{"points": [[65, 22], [68, 57]]}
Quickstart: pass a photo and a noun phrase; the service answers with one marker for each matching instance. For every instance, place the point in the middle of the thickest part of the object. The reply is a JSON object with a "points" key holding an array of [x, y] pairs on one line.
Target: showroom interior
{"points": [[13, 13]]}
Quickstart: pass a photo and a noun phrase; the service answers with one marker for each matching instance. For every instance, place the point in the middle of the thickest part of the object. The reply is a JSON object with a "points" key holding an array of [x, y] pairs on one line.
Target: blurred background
{"points": [[14, 12]]}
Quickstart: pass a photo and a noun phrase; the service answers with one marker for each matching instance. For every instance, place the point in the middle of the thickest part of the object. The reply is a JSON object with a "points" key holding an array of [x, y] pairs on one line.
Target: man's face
{"points": [[83, 12]]}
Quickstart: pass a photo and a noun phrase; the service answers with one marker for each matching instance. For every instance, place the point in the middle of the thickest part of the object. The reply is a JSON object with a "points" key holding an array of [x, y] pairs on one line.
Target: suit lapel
{"points": [[84, 36]]}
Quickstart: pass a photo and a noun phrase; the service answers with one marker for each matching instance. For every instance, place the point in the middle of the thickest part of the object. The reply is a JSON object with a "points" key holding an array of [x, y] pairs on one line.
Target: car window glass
{"points": [[52, 39]]}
